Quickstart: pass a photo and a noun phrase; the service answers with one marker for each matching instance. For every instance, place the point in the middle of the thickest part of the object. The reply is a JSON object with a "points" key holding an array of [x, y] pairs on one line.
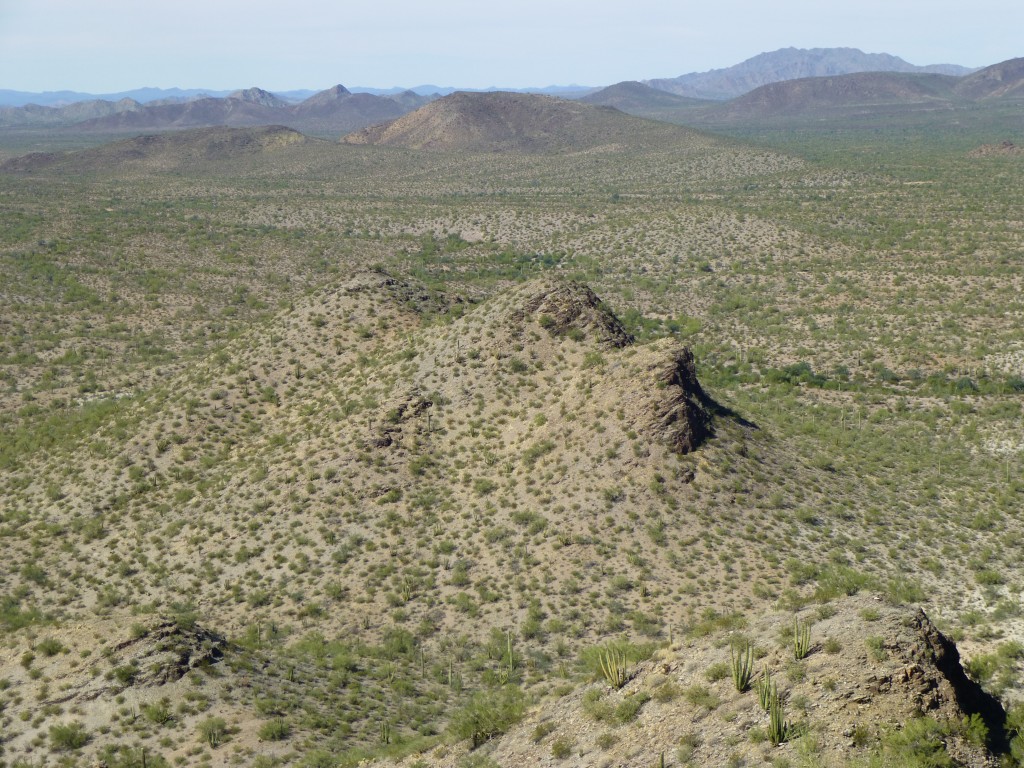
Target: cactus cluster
{"points": [[742, 665], [801, 639], [614, 667]]}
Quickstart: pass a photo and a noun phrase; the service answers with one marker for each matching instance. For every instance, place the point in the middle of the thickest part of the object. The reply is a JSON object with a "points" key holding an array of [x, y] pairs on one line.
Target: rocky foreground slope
{"points": [[877, 683]]}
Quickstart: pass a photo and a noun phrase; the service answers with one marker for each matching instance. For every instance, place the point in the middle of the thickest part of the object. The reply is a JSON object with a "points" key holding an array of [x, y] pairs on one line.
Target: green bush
{"points": [[277, 729], [920, 742], [717, 671], [630, 706], [50, 646], [561, 748], [212, 730], [487, 714], [158, 712], [68, 736]]}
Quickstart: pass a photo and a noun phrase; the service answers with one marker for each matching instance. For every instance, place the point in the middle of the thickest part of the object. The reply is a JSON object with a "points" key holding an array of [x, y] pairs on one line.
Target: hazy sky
{"points": [[112, 45]]}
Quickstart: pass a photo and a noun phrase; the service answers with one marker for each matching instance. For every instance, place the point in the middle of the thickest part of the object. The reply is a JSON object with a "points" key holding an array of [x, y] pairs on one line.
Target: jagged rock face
{"points": [[398, 414], [160, 655], [657, 387], [567, 305], [952, 688], [679, 417], [168, 652], [408, 294], [658, 392]]}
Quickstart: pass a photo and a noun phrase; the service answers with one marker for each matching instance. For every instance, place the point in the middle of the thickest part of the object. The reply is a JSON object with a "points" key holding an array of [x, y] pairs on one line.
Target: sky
{"points": [[105, 46]]}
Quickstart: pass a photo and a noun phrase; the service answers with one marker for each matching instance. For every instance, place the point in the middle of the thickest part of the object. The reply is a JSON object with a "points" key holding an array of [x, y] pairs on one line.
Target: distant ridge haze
{"points": [[719, 84], [339, 110], [332, 111], [791, 64]]}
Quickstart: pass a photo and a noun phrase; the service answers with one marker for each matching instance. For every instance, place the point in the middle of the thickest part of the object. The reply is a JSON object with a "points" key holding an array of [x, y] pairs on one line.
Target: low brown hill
{"points": [[534, 413], [1000, 81], [411, 100], [845, 92], [502, 121], [161, 152], [641, 100], [633, 97]]}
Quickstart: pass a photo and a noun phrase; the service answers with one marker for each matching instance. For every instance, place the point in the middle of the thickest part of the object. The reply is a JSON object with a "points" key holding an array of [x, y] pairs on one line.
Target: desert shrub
{"points": [[717, 671], [701, 696], [607, 740], [50, 646], [68, 736], [920, 742], [596, 707], [212, 730], [487, 714], [158, 712], [542, 730], [630, 706], [277, 729], [561, 748]]}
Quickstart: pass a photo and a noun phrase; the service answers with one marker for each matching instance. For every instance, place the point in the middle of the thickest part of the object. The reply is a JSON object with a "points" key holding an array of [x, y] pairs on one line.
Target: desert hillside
{"points": [[507, 122], [315, 453]]}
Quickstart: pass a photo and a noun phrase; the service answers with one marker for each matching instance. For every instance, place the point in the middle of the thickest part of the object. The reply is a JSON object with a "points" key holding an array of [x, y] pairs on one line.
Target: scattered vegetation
{"points": [[316, 403]]}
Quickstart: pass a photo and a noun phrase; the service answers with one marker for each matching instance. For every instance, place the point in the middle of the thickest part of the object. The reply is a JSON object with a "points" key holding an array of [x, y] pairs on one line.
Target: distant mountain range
{"points": [[825, 97], [333, 111], [783, 64], [527, 122], [156, 96], [791, 64], [785, 82]]}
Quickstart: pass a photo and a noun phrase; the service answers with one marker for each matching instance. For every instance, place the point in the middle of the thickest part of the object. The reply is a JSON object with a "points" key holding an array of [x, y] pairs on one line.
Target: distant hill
{"points": [[504, 121], [1004, 80], [229, 111], [790, 64], [333, 112], [12, 98], [36, 115], [337, 110], [863, 89], [868, 94], [167, 151], [635, 98], [259, 96], [631, 95]]}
